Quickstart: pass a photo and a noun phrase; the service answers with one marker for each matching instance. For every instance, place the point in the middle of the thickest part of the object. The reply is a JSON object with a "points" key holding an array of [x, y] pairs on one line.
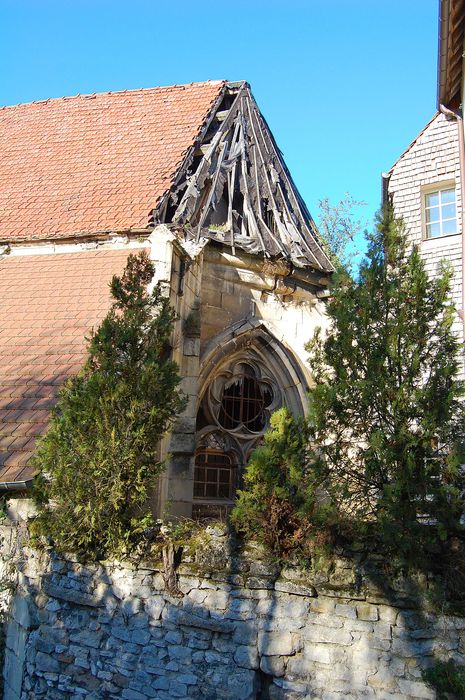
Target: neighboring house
{"points": [[427, 183], [424, 186], [192, 174]]}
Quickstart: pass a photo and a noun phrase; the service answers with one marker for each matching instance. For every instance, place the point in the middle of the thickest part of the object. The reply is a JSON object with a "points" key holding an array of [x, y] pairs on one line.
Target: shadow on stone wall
{"points": [[241, 629]]}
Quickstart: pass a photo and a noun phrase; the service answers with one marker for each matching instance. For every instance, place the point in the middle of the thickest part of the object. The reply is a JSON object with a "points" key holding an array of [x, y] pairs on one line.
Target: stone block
{"points": [[318, 633], [129, 694], [348, 611], [173, 637], [87, 638], [368, 612], [177, 689], [140, 636], [319, 653], [180, 653], [13, 675], [359, 626], [154, 607], [278, 643], [322, 605], [273, 665], [46, 663], [20, 611], [120, 632], [241, 686], [187, 678], [182, 443], [191, 347], [415, 689], [214, 657], [72, 596], [294, 588], [382, 630], [264, 583], [387, 614], [246, 657], [244, 633], [219, 600]]}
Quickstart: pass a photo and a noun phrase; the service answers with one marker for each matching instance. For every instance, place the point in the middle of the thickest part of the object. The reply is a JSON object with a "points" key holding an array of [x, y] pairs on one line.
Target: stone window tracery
{"points": [[232, 419]]}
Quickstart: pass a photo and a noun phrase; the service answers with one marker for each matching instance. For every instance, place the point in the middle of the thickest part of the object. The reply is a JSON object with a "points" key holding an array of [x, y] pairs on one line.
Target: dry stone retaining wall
{"points": [[112, 631]]}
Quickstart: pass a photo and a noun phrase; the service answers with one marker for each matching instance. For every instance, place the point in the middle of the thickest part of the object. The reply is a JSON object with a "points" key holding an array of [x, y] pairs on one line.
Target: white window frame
{"points": [[429, 190]]}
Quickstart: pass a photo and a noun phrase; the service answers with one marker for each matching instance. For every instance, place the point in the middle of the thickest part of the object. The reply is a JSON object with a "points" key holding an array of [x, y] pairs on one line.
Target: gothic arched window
{"points": [[233, 416]]}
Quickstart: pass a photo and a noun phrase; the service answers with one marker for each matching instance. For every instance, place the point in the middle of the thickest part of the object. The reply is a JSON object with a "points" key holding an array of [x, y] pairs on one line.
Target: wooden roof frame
{"points": [[236, 165]]}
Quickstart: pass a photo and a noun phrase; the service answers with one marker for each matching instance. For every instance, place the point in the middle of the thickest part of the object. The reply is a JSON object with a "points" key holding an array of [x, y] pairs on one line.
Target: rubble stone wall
{"points": [[247, 631]]}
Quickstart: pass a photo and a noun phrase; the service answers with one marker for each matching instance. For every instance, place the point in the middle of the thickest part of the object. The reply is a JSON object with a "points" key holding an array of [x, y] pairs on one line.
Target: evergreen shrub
{"points": [[100, 457], [378, 462], [447, 678], [279, 504]]}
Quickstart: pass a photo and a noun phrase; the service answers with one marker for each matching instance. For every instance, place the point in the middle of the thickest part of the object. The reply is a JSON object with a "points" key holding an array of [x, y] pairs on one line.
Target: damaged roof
{"points": [[95, 163], [235, 189], [49, 305], [198, 158]]}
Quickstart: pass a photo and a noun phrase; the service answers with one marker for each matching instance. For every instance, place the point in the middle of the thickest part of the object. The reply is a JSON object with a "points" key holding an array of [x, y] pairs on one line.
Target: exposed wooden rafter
{"points": [[234, 188]]}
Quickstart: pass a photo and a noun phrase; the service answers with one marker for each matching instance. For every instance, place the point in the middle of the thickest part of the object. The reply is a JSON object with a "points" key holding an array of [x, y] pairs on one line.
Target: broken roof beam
{"points": [[255, 200]]}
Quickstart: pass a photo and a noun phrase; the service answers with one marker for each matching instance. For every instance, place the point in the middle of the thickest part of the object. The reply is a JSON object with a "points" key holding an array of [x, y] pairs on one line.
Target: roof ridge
{"points": [[92, 95]]}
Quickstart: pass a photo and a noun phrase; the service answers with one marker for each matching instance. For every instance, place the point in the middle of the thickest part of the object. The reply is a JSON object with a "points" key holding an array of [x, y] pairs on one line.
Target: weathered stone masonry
{"points": [[111, 631]]}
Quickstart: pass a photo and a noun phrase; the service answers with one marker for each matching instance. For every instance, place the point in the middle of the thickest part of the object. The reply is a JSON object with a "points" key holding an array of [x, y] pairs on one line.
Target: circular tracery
{"points": [[244, 401]]}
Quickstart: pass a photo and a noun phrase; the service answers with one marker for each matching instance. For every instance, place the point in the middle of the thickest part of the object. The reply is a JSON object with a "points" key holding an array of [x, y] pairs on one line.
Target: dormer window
{"points": [[440, 212]]}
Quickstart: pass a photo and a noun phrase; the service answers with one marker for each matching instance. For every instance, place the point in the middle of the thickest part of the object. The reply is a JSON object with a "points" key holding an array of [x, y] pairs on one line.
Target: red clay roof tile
{"points": [[91, 163], [42, 307]]}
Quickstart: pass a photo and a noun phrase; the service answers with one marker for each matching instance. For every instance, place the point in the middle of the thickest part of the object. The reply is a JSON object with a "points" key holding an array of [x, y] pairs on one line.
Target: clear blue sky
{"points": [[345, 85]]}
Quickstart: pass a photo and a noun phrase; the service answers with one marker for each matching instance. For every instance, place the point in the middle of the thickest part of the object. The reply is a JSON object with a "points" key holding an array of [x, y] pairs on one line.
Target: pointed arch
{"points": [[246, 374]]}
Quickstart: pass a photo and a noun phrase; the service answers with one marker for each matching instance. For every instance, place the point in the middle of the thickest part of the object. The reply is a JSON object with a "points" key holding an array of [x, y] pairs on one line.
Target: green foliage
{"points": [[100, 458], [447, 678], [279, 505], [386, 411]]}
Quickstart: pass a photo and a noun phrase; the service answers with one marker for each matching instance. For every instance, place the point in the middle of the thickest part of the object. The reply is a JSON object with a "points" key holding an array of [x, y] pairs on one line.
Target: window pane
{"points": [[433, 230], [432, 199], [214, 480], [448, 211], [448, 196], [223, 491], [211, 490], [198, 490], [449, 227], [432, 214]]}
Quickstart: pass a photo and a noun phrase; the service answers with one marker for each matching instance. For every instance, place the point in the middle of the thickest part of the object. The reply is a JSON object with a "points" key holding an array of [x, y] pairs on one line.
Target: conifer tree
{"points": [[386, 411], [100, 455]]}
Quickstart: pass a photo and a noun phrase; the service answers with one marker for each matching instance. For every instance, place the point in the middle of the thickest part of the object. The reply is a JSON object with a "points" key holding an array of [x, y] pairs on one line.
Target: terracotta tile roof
{"points": [[92, 163], [49, 304]]}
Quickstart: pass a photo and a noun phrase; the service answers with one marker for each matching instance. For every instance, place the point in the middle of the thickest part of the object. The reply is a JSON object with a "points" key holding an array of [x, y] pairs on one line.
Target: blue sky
{"points": [[345, 85]]}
